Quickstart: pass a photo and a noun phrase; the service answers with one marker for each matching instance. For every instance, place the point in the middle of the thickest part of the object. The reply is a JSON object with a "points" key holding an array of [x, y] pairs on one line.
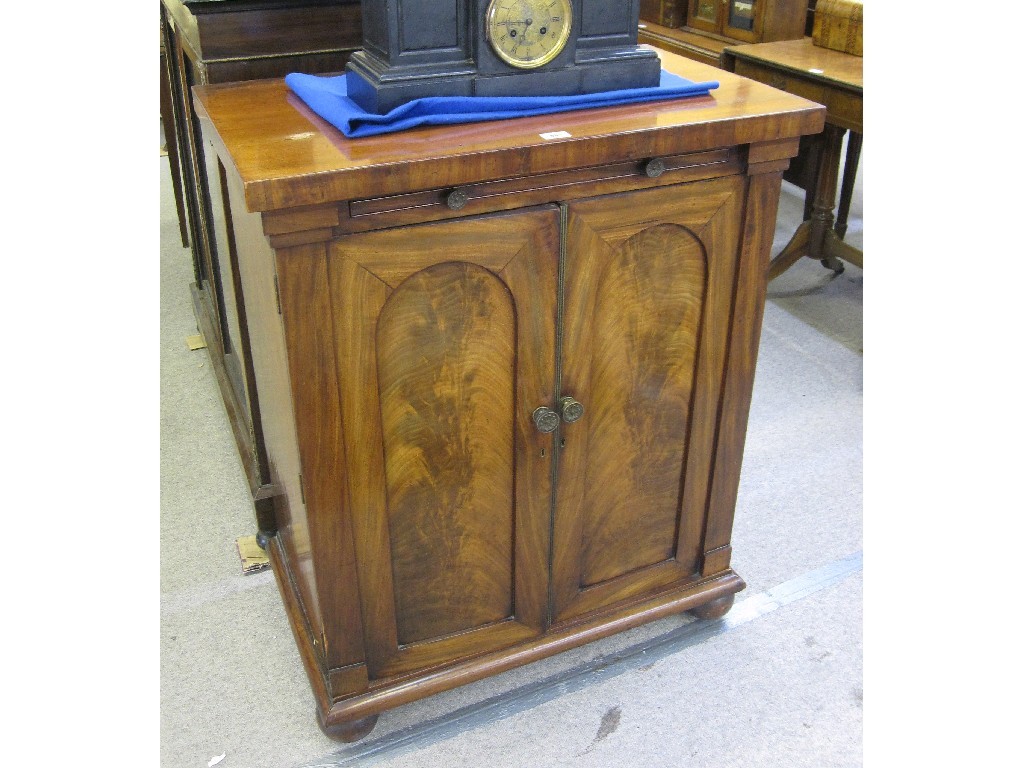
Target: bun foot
{"points": [[716, 609], [349, 731]]}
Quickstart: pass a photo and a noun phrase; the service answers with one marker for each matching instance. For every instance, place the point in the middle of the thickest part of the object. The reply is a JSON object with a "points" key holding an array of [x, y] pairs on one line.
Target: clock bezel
{"points": [[548, 57]]}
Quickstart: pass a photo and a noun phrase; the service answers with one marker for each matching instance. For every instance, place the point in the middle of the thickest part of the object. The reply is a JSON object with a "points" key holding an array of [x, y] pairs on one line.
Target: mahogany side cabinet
{"points": [[504, 370]]}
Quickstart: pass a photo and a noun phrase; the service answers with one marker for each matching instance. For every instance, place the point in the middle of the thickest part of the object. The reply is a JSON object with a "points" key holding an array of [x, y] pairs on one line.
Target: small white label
{"points": [[556, 135]]}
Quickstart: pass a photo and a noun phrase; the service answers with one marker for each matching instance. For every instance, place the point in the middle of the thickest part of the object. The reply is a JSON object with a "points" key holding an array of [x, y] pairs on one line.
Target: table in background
{"points": [[836, 80]]}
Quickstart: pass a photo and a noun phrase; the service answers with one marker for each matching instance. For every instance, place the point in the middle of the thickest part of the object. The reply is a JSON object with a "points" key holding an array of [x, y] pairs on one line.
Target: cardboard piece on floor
{"points": [[196, 342], [253, 557]]}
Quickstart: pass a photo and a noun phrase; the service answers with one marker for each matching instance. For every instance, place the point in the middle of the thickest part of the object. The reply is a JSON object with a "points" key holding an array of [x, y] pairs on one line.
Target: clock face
{"points": [[528, 33]]}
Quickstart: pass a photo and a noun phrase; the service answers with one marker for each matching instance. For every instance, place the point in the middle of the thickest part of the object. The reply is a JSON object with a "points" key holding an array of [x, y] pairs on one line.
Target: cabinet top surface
{"points": [[805, 58], [286, 156]]}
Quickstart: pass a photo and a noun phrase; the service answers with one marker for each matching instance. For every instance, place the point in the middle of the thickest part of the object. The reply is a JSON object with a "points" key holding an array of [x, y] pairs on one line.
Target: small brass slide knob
{"points": [[654, 167], [457, 199], [572, 409]]}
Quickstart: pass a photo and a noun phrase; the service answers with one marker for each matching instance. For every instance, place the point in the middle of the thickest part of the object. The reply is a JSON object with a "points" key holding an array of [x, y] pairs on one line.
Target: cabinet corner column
{"points": [[766, 162]]}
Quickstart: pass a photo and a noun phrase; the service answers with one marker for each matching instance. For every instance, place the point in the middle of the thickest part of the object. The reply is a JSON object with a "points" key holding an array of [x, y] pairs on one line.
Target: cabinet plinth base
{"points": [[349, 719], [716, 609]]}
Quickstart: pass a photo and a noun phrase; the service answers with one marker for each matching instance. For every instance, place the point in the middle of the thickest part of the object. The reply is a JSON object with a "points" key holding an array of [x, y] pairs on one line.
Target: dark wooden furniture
{"points": [[839, 25], [711, 25], [219, 41], [811, 6], [171, 143], [504, 378], [836, 80], [667, 13]]}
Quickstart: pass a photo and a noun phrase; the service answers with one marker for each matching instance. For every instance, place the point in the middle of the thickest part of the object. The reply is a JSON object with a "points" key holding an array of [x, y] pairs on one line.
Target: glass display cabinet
{"points": [[706, 27], [743, 20]]}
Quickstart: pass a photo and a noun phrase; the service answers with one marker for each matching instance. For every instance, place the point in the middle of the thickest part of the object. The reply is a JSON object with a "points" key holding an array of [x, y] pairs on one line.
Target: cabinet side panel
{"points": [[646, 328], [446, 362], [256, 264]]}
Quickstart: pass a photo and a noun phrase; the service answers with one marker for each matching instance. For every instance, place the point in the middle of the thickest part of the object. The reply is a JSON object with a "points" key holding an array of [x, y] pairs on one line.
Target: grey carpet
{"points": [[783, 688]]}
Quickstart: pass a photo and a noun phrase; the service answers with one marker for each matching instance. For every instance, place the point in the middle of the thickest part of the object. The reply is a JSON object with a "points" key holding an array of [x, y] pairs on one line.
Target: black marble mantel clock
{"points": [[417, 48]]}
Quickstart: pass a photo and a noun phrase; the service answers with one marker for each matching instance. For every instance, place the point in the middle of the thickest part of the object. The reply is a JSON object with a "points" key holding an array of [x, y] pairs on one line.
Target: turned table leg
{"points": [[853, 145], [822, 217], [815, 237]]}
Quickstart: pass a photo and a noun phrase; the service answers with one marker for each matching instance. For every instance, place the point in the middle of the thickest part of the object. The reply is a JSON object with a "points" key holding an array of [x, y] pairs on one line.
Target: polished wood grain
{"points": [[647, 317], [644, 346], [270, 352], [446, 360], [438, 345], [736, 379], [303, 282], [280, 148], [801, 56], [322, 222]]}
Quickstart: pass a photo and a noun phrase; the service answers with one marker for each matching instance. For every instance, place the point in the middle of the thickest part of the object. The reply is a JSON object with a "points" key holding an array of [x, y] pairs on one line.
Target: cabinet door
{"points": [[444, 339], [647, 300]]}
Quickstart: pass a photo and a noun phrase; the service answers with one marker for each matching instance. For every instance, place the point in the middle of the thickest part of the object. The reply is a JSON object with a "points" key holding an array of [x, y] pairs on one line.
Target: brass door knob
{"points": [[571, 408], [545, 419]]}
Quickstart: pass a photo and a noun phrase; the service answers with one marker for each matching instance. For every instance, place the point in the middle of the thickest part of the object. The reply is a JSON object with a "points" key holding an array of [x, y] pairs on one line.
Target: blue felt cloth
{"points": [[328, 97]]}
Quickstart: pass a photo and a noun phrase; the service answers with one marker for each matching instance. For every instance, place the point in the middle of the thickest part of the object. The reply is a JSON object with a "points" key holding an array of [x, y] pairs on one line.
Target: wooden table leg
{"points": [[813, 161], [815, 237], [853, 145]]}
